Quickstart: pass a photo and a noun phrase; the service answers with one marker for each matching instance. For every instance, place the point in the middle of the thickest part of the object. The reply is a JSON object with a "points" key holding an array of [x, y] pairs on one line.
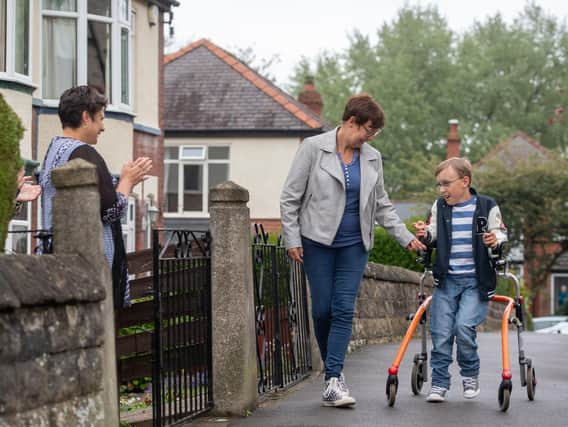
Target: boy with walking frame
{"points": [[467, 230]]}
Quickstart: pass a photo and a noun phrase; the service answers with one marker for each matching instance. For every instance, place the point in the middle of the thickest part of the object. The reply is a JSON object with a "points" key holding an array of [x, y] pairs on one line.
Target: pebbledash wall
{"points": [[387, 295]]}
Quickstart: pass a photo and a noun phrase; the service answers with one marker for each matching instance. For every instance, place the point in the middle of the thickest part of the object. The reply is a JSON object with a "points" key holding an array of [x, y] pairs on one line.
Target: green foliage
{"points": [[387, 251], [11, 131], [137, 385], [562, 311], [496, 78]]}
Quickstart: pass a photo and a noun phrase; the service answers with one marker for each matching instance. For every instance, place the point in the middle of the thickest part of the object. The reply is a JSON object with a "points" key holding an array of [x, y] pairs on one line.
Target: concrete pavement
{"points": [[366, 373]]}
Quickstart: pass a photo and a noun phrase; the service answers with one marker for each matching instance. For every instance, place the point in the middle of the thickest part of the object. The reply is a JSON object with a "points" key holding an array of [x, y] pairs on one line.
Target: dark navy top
{"points": [[349, 232]]}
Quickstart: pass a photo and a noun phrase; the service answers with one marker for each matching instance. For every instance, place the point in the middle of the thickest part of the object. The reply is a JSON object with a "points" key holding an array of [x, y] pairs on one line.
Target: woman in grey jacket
{"points": [[332, 197]]}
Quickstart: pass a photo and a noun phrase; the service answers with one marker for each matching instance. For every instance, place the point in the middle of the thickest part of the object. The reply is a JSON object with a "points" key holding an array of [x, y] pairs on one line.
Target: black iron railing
{"points": [[282, 327], [41, 242], [182, 365]]}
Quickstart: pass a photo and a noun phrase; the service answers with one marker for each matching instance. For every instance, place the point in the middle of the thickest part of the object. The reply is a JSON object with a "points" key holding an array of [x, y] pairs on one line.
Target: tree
{"points": [[496, 78], [509, 78], [11, 131], [533, 199]]}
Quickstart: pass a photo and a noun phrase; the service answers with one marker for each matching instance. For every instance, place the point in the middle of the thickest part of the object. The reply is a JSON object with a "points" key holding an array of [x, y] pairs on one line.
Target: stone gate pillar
{"points": [[78, 230], [234, 336]]}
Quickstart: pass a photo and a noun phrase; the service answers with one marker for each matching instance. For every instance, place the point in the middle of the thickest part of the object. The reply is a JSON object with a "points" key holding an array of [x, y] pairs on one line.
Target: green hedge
{"points": [[387, 251], [11, 131]]}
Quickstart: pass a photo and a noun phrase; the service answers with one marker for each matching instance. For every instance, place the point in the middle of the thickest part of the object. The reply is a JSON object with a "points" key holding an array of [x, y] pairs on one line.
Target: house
{"points": [[49, 46], [224, 121]]}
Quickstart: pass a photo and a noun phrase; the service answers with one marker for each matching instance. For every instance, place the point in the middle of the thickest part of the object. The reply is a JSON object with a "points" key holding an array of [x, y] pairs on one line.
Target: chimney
{"points": [[310, 97], [453, 140]]}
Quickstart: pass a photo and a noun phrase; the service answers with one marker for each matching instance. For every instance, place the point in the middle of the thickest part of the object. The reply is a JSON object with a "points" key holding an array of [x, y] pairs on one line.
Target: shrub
{"points": [[11, 131], [387, 251]]}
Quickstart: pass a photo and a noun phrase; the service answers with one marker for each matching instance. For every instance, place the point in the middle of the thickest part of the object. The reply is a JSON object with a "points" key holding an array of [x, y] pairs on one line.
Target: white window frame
{"points": [[552, 290], [10, 73], [117, 24], [129, 226], [204, 213], [21, 223]]}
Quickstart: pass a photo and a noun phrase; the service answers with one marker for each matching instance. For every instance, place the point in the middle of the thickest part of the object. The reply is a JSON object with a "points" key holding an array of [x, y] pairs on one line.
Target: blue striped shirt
{"points": [[461, 252]]}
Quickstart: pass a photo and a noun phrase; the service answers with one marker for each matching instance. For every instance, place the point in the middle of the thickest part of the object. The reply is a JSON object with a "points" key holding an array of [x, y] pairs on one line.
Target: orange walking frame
{"points": [[419, 373]]}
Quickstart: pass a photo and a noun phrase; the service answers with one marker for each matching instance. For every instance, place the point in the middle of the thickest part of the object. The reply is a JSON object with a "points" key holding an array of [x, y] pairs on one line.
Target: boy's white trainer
{"points": [[470, 387], [437, 394]]}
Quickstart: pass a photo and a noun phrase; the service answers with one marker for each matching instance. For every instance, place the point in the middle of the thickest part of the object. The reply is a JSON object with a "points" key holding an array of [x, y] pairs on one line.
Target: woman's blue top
{"points": [[349, 232]]}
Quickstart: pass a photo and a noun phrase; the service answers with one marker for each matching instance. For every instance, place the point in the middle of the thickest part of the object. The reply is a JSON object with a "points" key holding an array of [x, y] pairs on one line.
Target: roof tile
{"points": [[208, 88]]}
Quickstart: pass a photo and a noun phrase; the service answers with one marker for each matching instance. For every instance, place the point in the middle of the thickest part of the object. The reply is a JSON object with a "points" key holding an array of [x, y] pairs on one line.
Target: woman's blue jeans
{"points": [[456, 311], [334, 276]]}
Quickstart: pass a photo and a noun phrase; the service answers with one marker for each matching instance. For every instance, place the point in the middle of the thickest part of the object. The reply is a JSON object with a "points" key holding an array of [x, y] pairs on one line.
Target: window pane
{"points": [[22, 37], [19, 240], [124, 80], [171, 187], [218, 173], [98, 56], [59, 56], [23, 214], [561, 291], [123, 8], [99, 7], [196, 153], [3, 35], [171, 152], [60, 5], [192, 187], [219, 153]]}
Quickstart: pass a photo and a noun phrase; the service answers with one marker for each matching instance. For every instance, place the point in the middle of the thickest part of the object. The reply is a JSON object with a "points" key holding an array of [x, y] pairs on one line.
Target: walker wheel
{"points": [[417, 377], [531, 382], [392, 386], [504, 395]]}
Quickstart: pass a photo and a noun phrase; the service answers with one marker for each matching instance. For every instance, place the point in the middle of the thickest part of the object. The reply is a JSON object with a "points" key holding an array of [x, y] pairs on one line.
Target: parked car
{"points": [[558, 328], [547, 321]]}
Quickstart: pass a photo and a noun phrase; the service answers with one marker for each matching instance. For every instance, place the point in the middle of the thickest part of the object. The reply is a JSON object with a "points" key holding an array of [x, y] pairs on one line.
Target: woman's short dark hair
{"points": [[78, 99], [364, 108]]}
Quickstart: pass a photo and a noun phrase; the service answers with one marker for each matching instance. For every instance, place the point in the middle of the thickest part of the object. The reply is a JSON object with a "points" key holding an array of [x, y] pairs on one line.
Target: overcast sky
{"points": [[295, 28]]}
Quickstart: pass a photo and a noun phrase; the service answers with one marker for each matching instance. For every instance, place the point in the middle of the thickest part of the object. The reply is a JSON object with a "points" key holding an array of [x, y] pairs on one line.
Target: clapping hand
{"points": [[27, 191]]}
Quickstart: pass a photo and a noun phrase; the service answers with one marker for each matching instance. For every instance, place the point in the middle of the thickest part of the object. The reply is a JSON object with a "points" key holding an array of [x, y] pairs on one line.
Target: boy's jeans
{"points": [[456, 310], [334, 276]]}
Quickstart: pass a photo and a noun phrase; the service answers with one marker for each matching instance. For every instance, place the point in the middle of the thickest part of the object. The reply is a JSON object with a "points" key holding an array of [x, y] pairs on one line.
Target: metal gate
{"points": [[282, 328], [182, 363]]}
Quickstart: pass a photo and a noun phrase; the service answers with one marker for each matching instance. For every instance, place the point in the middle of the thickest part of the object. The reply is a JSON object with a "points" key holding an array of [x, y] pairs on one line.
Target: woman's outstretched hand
{"points": [[416, 245]]}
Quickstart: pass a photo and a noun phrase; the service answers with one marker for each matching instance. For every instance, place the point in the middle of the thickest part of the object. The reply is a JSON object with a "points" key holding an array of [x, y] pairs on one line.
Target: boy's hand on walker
{"points": [[297, 254], [420, 229], [490, 239]]}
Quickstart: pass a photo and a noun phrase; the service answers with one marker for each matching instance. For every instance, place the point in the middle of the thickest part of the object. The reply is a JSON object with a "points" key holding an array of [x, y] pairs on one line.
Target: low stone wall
{"points": [[57, 357], [51, 338], [386, 297]]}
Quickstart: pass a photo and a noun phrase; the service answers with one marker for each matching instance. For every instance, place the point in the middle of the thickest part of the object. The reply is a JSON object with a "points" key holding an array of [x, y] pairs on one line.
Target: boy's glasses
{"points": [[446, 184]]}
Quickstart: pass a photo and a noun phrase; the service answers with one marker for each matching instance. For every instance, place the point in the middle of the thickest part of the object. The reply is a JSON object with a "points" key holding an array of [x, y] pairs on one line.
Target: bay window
{"points": [[15, 39], [87, 42], [189, 172]]}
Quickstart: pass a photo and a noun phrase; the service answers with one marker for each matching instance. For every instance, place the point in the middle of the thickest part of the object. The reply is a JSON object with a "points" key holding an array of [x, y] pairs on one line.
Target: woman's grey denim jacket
{"points": [[313, 198]]}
